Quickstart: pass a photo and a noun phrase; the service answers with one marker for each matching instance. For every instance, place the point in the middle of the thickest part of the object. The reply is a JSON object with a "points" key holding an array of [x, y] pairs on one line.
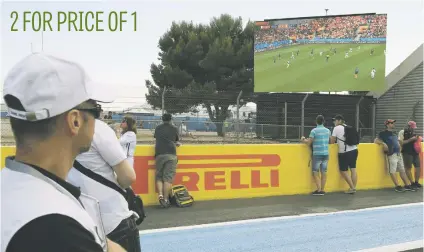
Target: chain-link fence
{"points": [[205, 117], [199, 133], [276, 116]]}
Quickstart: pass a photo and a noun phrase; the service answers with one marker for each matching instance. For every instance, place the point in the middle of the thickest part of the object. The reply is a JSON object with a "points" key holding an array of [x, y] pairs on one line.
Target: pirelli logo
{"points": [[192, 169]]}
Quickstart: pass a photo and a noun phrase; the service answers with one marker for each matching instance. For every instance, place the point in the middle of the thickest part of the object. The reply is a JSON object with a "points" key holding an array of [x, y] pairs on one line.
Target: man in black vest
{"points": [[407, 138]]}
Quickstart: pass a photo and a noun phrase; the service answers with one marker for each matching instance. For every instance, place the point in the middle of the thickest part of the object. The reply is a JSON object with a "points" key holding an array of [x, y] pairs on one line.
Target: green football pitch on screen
{"points": [[295, 69]]}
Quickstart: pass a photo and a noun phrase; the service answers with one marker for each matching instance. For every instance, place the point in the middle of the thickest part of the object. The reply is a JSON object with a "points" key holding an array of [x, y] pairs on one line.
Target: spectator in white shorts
{"points": [[392, 149]]}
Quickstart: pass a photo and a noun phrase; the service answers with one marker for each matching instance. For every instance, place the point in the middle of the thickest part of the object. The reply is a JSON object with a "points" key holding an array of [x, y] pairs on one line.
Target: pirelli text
{"points": [[73, 21]]}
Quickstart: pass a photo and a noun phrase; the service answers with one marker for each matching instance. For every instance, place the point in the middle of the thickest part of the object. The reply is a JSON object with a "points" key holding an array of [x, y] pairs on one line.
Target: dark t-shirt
{"points": [[53, 233], [409, 147], [391, 140], [166, 135]]}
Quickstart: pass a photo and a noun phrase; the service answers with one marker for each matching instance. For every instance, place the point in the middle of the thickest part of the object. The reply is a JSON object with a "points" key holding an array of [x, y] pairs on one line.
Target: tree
{"points": [[205, 65]]}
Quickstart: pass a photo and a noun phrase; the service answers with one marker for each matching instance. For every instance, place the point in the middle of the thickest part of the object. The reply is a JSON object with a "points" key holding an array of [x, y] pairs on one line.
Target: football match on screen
{"points": [[327, 54]]}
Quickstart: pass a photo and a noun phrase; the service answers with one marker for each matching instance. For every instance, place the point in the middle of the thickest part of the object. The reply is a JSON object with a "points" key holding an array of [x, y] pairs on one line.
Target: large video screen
{"points": [[327, 54]]}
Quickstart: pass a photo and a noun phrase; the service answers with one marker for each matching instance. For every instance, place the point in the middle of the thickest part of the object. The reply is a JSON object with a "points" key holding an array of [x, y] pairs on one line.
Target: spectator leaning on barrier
{"points": [[52, 107], [167, 139], [319, 138], [348, 154], [107, 159], [128, 138], [407, 139], [392, 149]]}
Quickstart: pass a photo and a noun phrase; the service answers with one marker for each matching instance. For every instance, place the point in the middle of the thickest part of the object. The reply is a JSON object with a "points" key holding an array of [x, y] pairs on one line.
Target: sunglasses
{"points": [[95, 112]]}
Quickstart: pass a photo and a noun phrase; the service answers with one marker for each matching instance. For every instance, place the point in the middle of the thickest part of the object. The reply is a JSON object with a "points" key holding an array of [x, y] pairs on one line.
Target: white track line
{"points": [[228, 223], [396, 247]]}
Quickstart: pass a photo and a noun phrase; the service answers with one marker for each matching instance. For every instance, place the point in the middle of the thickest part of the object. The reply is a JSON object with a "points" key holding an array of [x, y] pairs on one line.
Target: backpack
{"points": [[180, 196], [135, 203], [351, 136]]}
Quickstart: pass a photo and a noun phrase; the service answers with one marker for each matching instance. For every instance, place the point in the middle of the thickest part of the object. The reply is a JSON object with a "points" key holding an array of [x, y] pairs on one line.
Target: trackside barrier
{"points": [[213, 172]]}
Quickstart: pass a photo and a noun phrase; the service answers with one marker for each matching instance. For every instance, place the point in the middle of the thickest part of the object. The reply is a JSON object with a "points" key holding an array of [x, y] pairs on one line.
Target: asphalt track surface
{"points": [[205, 212], [244, 209]]}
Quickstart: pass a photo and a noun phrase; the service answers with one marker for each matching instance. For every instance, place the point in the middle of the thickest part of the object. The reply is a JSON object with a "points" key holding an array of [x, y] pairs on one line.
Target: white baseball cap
{"points": [[48, 86]]}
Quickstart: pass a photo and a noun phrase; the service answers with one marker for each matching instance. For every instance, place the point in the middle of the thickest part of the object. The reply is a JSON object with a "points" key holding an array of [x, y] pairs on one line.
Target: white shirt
{"points": [[183, 129], [338, 132], [401, 135], [105, 152], [26, 197], [128, 143]]}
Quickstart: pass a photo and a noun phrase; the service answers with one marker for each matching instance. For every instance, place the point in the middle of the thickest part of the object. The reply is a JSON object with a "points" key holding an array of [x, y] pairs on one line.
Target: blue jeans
{"points": [[126, 234], [320, 163]]}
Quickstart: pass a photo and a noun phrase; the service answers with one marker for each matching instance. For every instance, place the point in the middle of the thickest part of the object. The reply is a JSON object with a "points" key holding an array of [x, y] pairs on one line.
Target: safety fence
{"points": [[203, 132], [236, 116]]}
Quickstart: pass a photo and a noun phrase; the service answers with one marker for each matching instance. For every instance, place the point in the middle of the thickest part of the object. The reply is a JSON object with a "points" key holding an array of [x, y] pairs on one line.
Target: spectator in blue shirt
{"points": [[319, 139]]}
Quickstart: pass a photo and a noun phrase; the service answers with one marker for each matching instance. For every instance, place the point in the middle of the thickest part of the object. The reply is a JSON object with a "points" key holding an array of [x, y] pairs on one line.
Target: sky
{"points": [[121, 60]]}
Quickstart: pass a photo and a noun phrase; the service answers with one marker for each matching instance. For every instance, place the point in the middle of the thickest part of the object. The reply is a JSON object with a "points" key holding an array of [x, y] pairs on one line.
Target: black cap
{"points": [[338, 117]]}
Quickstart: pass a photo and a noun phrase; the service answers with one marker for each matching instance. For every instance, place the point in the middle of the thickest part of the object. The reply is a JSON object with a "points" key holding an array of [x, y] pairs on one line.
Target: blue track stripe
{"points": [[348, 231]]}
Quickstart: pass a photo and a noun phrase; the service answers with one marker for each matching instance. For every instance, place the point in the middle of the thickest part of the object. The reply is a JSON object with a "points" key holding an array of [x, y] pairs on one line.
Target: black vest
{"points": [[409, 147]]}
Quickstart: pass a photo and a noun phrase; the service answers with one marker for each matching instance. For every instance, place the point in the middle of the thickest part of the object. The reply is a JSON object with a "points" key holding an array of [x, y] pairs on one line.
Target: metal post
{"points": [[373, 118], [238, 115], [163, 100], [262, 130], [285, 120], [302, 124], [326, 12], [42, 41], [357, 112]]}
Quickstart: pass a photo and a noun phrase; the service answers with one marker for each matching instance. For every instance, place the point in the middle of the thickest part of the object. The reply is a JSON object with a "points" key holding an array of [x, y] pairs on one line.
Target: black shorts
{"points": [[348, 160], [411, 159]]}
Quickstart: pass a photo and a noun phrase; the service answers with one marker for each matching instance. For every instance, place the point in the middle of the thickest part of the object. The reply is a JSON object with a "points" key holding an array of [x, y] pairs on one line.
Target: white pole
{"points": [[42, 41]]}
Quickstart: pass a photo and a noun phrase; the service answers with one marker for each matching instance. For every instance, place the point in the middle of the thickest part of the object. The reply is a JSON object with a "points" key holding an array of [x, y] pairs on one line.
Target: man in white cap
{"points": [[407, 138], [52, 107]]}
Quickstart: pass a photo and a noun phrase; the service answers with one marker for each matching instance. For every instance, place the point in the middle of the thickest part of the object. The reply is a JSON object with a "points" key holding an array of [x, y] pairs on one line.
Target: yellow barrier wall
{"points": [[213, 172]]}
